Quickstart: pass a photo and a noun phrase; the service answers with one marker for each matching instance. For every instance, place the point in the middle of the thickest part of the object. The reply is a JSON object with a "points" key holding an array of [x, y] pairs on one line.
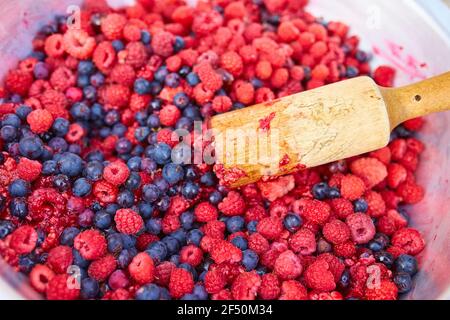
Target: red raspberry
{"points": [[342, 208], [18, 81], [345, 250], [123, 74], [361, 227], [131, 32], [169, 115], [100, 269], [163, 272], [293, 290], [319, 277], [318, 50], [28, 170], [162, 43], [384, 76], [288, 266], [135, 54], [115, 95], [303, 241], [288, 32], [173, 63], [396, 175], [232, 62], [23, 239], [409, 240], [128, 221], [144, 240], [386, 225], [214, 281], [40, 276], [202, 95], [398, 149], [352, 187], [270, 287], [104, 56], [184, 15], [269, 257], [410, 192], [223, 295], [384, 155], [167, 136], [105, 192], [223, 251], [410, 160], [112, 26], [316, 211], [60, 258], [62, 287], [277, 188], [192, 255], [142, 268], [222, 104], [244, 92], [62, 79], [387, 290], [40, 120], [336, 267], [263, 70], [206, 22], [371, 170], [233, 204], [336, 232], [116, 172], [377, 206], [205, 212], [258, 243], [210, 79], [91, 244], [415, 145], [245, 286], [320, 72], [54, 45], [78, 44], [414, 124], [55, 102], [270, 227], [181, 282]]}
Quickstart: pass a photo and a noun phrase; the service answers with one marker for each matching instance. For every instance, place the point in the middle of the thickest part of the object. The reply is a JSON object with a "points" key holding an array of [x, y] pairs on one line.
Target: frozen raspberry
{"points": [[398, 149], [40, 120], [18, 81], [319, 277], [214, 281], [116, 173], [223, 251], [205, 212], [361, 227], [245, 286], [100, 269], [162, 43], [345, 250], [263, 70], [409, 240], [128, 221], [232, 62], [288, 266], [303, 241], [352, 187], [162, 272], [222, 104], [142, 268], [387, 290], [55, 102], [245, 92], [336, 232], [383, 154], [136, 54], [277, 188], [342, 208], [293, 290], [191, 255], [384, 76], [210, 79], [336, 267], [40, 276], [414, 124], [115, 95], [270, 227], [28, 170], [169, 115], [23, 239], [112, 26], [91, 244], [63, 287], [79, 44], [233, 204], [207, 22], [123, 74], [62, 79], [371, 170], [104, 57], [376, 204], [258, 243], [54, 45], [60, 258], [315, 211], [181, 282], [410, 192], [270, 287]]}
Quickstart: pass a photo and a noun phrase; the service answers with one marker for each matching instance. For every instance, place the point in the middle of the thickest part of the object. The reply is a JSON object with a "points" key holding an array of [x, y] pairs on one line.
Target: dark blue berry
{"points": [[86, 67], [125, 199], [8, 133], [235, 224], [172, 245], [240, 243], [320, 191], [6, 227], [161, 153], [11, 119], [102, 220], [70, 164], [68, 235], [148, 292], [360, 205], [118, 45], [93, 170], [215, 197], [173, 173], [406, 264], [19, 188], [194, 237], [150, 193], [181, 100], [60, 127], [23, 111], [115, 243], [172, 80], [157, 250], [385, 258], [403, 282], [89, 288], [61, 182], [292, 222], [153, 226], [142, 86], [146, 37], [250, 259], [251, 226], [187, 219], [190, 190], [81, 187], [18, 208], [192, 79], [178, 44]]}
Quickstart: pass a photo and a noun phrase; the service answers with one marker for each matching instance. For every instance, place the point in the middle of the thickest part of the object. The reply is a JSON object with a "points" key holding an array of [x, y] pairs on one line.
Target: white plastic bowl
{"points": [[405, 34]]}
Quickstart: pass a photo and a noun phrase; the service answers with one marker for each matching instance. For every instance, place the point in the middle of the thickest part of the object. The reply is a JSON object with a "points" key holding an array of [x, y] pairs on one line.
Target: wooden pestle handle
{"points": [[419, 99]]}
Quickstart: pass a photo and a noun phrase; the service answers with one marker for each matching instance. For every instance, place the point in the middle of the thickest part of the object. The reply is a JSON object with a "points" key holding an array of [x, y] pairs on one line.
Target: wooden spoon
{"points": [[319, 126]]}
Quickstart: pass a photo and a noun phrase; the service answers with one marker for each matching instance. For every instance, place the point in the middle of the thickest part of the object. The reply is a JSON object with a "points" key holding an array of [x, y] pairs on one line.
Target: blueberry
{"points": [[134, 163], [23, 111], [250, 259], [320, 191], [141, 133], [379, 242], [187, 219], [78, 260], [145, 210], [26, 263], [173, 173], [68, 235], [240, 243], [129, 242], [251, 226], [190, 190], [81, 187], [189, 297], [235, 224], [161, 153], [192, 79], [8, 133], [142, 86], [157, 250], [115, 243], [181, 100], [215, 197], [161, 74], [18, 208], [180, 235], [403, 282], [19, 188], [89, 288], [58, 145], [385, 258], [292, 222], [83, 80], [184, 71], [184, 124], [85, 67], [352, 72], [360, 205], [172, 245], [406, 264], [102, 220], [124, 258], [178, 44], [146, 37], [125, 199], [93, 171], [133, 182], [194, 237], [333, 193], [41, 70], [119, 130], [344, 282], [90, 93], [70, 164], [112, 117], [118, 45], [60, 127], [6, 227], [11, 119], [97, 80], [61, 182], [153, 226], [150, 193], [148, 292], [172, 80]]}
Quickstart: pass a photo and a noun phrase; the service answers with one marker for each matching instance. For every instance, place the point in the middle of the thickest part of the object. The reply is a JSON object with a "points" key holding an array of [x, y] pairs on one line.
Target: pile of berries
{"points": [[94, 206]]}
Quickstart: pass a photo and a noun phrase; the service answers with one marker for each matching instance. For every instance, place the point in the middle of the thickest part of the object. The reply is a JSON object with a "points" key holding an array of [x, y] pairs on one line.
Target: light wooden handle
{"points": [[420, 99]]}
